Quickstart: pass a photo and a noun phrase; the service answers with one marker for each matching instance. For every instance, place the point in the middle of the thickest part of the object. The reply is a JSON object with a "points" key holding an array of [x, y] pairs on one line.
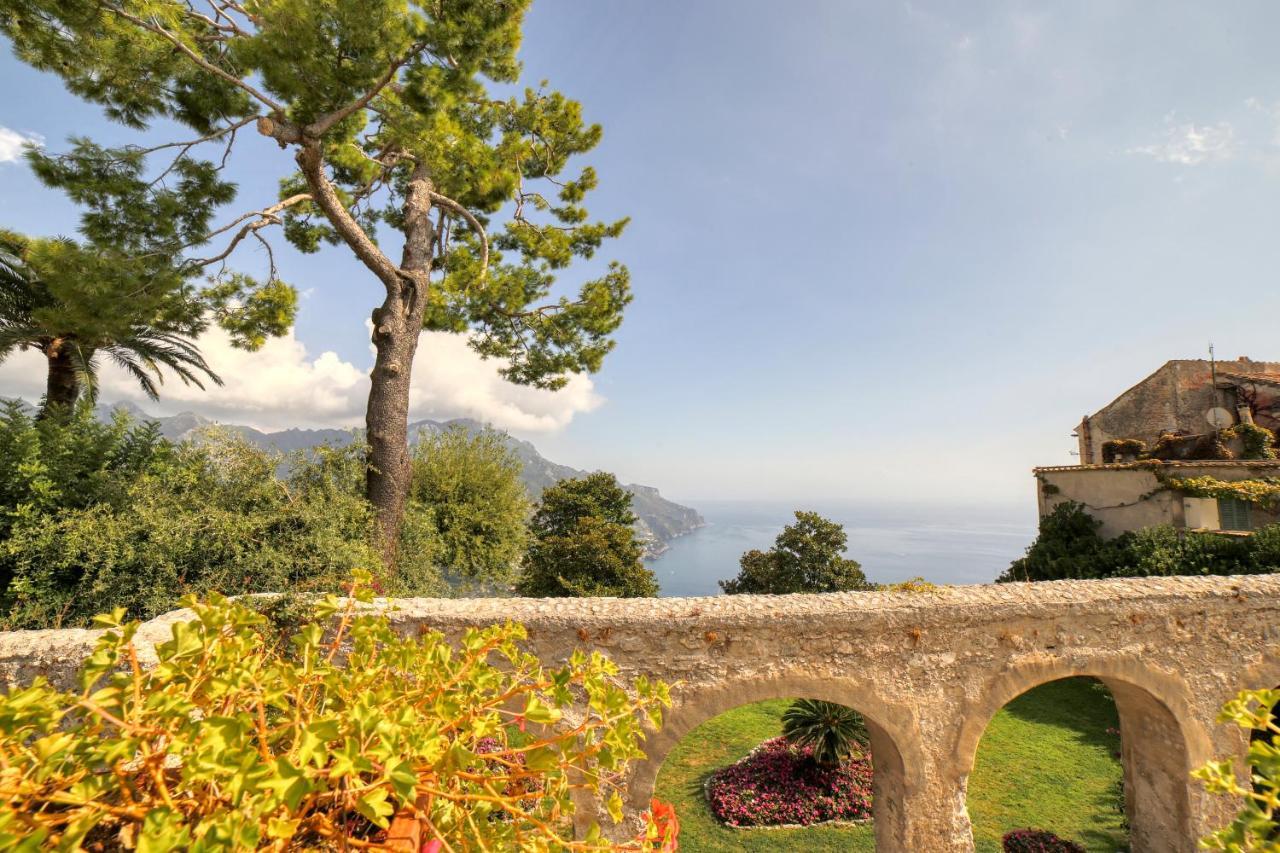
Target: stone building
{"points": [[1178, 398], [1174, 449]]}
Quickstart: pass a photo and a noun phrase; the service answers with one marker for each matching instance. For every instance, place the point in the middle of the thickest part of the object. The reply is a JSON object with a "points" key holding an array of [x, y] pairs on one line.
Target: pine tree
{"points": [[584, 543]]}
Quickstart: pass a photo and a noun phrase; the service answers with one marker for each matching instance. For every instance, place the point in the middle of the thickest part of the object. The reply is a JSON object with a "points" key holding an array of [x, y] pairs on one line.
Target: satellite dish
{"points": [[1219, 418]]}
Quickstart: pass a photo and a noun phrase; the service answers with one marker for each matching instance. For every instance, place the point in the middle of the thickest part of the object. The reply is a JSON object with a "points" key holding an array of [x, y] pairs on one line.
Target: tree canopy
{"points": [[807, 556], [386, 107]]}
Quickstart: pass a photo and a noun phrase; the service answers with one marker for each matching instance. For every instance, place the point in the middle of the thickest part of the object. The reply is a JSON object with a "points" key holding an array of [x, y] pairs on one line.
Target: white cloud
{"points": [[282, 385], [1191, 144], [12, 142]]}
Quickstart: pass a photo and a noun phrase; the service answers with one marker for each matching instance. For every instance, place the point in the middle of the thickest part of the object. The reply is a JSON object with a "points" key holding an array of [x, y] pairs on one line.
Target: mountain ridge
{"points": [[659, 520]]}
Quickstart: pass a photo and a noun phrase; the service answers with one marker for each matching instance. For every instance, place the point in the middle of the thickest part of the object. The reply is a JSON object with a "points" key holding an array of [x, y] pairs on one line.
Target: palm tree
{"points": [[29, 313], [834, 731]]}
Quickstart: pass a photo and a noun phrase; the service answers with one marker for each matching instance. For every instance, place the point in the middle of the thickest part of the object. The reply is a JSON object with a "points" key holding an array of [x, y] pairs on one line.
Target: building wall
{"points": [[927, 669], [1124, 497]]}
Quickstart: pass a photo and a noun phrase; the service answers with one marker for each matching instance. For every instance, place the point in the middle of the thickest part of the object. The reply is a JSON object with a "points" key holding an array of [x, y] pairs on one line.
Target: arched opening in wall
{"points": [[1050, 761], [735, 776]]}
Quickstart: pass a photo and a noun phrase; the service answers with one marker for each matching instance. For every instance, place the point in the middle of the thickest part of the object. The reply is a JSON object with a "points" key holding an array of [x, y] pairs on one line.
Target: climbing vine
{"points": [[1259, 442], [1264, 491]]}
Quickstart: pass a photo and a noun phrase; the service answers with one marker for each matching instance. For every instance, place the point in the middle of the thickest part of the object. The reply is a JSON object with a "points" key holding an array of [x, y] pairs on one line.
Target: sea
{"points": [[943, 544]]}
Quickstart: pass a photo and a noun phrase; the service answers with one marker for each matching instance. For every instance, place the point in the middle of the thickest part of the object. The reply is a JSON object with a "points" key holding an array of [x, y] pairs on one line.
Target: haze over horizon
{"points": [[879, 251]]}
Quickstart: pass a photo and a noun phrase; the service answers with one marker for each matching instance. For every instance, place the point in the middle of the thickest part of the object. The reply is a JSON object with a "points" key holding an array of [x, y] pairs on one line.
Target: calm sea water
{"points": [[942, 544]]}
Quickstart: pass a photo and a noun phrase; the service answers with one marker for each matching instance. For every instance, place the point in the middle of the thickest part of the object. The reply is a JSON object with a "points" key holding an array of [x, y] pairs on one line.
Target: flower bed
{"points": [[1038, 841], [779, 784]]}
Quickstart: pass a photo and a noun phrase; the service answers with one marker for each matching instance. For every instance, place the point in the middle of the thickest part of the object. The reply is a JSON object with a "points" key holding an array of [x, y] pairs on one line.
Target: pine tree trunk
{"points": [[62, 385], [397, 325]]}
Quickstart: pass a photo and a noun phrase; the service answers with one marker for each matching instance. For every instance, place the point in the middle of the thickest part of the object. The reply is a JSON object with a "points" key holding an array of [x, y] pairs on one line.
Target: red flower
{"points": [[664, 826]]}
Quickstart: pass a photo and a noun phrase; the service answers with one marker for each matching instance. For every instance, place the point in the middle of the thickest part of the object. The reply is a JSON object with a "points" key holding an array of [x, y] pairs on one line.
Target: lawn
{"points": [[1046, 761]]}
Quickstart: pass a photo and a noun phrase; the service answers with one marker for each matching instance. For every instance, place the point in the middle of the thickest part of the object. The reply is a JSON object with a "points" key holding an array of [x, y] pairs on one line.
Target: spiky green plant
{"points": [[834, 731]]}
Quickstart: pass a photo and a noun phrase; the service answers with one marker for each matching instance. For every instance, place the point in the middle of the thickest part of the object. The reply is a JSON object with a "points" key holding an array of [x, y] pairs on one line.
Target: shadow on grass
{"points": [[1081, 705], [1044, 764]]}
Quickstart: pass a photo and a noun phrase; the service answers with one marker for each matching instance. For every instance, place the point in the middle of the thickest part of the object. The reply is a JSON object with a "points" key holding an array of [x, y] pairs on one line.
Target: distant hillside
{"points": [[660, 520]]}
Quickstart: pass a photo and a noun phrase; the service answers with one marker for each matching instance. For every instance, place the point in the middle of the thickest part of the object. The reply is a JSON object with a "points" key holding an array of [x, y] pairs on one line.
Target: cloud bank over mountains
{"points": [[283, 385]]}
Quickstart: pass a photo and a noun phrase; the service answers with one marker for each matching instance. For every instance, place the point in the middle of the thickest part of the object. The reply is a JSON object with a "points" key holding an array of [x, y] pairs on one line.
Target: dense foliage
{"points": [[111, 515], [97, 515], [584, 543], [236, 740], [1257, 825], [780, 783], [477, 506], [1038, 841], [807, 556], [1069, 546], [832, 731]]}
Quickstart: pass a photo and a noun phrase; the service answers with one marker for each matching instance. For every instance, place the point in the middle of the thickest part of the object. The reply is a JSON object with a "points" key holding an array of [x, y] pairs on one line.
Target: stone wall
{"points": [[928, 670]]}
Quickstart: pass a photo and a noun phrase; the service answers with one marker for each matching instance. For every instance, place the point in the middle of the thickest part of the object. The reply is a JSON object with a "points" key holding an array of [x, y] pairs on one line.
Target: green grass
{"points": [[1045, 761]]}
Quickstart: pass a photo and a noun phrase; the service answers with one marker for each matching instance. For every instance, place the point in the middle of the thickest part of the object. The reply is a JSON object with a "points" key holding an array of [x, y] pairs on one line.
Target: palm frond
{"points": [[126, 361], [157, 350], [16, 335]]}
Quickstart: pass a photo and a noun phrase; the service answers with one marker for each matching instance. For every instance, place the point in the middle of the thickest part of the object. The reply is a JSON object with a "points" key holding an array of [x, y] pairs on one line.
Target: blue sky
{"points": [[880, 251]]}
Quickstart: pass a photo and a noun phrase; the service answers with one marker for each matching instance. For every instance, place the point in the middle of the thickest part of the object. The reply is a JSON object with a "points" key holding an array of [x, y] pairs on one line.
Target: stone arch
{"points": [[1161, 739], [895, 746]]}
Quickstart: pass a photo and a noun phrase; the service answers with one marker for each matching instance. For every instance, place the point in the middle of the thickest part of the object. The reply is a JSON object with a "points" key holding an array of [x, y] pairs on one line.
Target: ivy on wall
{"points": [[1264, 492], [1259, 442]]}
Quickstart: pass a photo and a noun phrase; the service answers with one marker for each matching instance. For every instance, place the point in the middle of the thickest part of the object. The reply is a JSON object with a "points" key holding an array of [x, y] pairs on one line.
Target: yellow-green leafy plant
{"points": [[235, 739], [1256, 828]]}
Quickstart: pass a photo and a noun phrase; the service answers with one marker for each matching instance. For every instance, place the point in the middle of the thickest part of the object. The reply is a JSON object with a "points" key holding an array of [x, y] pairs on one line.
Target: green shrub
{"points": [[1257, 825], [100, 516], [229, 743], [1164, 551], [201, 517], [832, 730], [1069, 546], [477, 505], [1117, 447], [1259, 442]]}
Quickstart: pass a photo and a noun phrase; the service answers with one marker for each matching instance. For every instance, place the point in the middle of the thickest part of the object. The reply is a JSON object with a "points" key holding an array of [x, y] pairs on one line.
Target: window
{"points": [[1233, 514]]}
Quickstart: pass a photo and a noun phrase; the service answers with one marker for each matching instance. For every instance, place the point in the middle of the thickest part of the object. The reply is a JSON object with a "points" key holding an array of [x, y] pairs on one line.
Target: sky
{"points": [[881, 251]]}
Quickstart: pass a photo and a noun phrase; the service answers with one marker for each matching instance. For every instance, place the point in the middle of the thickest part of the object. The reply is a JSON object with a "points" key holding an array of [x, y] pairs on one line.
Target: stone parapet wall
{"points": [[927, 669]]}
